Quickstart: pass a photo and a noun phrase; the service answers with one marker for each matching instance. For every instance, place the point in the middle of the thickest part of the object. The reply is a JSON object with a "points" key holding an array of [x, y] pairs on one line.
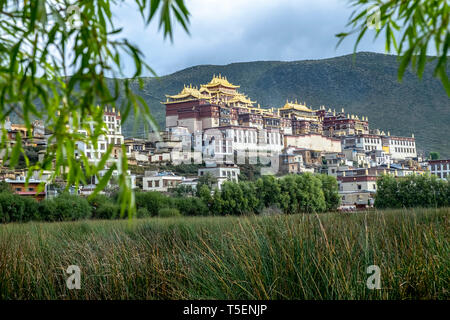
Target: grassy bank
{"points": [[310, 256]]}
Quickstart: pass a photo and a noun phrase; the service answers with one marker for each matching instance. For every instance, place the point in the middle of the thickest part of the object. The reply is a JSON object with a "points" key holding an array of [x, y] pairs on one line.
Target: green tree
{"points": [[252, 202], [72, 207], [204, 193], [5, 187], [13, 207], [55, 57], [153, 201], [288, 197], [268, 190], [386, 196], [410, 27], [217, 203], [233, 200], [48, 210], [207, 179], [103, 207], [434, 155], [309, 193], [412, 191], [331, 192], [183, 190], [191, 206]]}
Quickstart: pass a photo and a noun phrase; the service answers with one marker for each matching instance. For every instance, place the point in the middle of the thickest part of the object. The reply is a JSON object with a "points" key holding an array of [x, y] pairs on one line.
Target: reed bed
{"points": [[302, 256]]}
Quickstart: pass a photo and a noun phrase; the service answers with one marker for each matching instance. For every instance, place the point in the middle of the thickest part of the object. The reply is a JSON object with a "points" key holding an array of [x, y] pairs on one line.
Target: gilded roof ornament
{"points": [[295, 106]]}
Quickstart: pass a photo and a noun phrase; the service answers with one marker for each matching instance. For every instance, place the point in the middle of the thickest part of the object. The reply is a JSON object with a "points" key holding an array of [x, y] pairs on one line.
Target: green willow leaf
{"points": [[56, 71], [16, 151], [416, 24]]}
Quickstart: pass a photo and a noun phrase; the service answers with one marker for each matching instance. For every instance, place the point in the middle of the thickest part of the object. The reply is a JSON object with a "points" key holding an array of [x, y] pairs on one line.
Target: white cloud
{"points": [[236, 30]]}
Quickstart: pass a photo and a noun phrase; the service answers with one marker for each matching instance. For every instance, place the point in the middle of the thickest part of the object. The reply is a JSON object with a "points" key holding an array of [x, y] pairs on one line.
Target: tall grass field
{"points": [[310, 256]]}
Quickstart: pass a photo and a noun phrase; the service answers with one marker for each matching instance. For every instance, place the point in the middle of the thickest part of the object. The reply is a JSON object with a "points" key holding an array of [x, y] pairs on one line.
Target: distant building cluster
{"points": [[221, 129]]}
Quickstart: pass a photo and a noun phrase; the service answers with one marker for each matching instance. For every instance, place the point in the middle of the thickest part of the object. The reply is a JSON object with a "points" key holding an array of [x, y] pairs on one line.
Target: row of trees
{"points": [[307, 193], [65, 207], [412, 191], [291, 194], [15, 208]]}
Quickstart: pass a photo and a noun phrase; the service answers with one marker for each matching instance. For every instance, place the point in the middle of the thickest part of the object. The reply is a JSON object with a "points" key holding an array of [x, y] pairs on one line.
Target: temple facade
{"points": [[222, 120], [217, 104]]}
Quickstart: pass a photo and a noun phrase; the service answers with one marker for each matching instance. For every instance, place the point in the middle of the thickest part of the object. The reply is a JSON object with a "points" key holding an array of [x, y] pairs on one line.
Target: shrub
{"points": [[99, 199], [169, 212], [16, 208], [153, 201], [142, 213], [107, 210], [31, 209], [72, 207], [47, 211], [104, 207], [12, 207], [191, 206], [5, 187]]}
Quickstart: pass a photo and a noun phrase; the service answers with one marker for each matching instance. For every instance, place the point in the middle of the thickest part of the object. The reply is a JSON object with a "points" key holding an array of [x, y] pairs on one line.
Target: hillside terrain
{"points": [[365, 84]]}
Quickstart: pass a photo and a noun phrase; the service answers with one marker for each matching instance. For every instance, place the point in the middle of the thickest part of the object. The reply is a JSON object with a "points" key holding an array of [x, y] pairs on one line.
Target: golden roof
{"points": [[296, 106], [188, 92], [219, 80], [241, 98], [221, 92], [261, 111]]}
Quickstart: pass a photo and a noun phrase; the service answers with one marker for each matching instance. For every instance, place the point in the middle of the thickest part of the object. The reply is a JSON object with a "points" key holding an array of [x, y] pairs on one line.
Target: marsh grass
{"points": [[309, 256]]}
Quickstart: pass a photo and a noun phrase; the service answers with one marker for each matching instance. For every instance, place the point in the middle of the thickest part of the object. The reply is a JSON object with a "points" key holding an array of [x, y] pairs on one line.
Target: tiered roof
{"points": [[241, 98], [219, 81], [296, 106], [218, 87], [189, 92]]}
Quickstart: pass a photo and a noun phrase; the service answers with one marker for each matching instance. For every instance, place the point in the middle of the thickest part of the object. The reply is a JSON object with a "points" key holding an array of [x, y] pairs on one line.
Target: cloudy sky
{"points": [[226, 31]]}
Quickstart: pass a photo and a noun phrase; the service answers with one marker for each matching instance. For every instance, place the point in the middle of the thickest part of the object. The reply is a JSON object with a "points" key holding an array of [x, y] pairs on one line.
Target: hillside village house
{"points": [[112, 135], [313, 141], [222, 172], [440, 168], [336, 162], [357, 189], [400, 148], [160, 181], [19, 187]]}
